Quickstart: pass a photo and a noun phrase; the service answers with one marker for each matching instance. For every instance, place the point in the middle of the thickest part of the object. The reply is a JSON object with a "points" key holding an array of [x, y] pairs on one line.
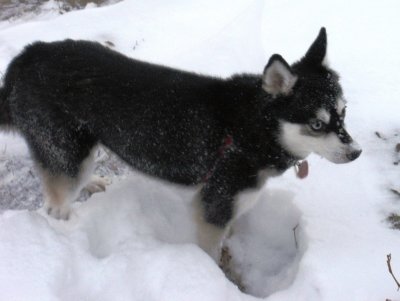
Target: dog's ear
{"points": [[317, 52], [278, 77]]}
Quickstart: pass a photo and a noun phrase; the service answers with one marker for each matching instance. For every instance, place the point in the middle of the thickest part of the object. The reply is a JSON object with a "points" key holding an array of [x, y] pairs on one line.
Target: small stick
{"points": [[379, 135], [389, 258], [395, 191], [295, 237]]}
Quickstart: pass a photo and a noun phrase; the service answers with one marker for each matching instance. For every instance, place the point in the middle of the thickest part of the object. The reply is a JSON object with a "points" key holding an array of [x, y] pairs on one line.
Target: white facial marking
{"points": [[341, 104], [324, 116], [295, 140]]}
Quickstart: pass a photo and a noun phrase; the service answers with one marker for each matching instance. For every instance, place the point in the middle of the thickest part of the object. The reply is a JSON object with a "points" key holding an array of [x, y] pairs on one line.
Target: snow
{"points": [[322, 238]]}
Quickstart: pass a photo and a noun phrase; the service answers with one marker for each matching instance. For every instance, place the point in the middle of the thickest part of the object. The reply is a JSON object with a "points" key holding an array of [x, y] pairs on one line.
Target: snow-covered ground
{"points": [[322, 238]]}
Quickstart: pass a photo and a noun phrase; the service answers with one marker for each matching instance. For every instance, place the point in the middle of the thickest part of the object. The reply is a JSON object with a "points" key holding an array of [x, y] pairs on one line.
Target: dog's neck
{"points": [[286, 160]]}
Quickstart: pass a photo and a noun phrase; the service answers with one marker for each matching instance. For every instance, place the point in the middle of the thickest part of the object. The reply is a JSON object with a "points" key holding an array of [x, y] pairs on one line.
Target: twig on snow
{"points": [[389, 258], [380, 136], [295, 237]]}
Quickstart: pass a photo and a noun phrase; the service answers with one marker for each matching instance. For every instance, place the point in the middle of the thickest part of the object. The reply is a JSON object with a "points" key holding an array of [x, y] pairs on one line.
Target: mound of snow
{"points": [[115, 247]]}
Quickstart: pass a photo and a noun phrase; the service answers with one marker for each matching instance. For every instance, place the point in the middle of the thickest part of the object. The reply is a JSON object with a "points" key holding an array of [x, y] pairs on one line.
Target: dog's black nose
{"points": [[354, 155]]}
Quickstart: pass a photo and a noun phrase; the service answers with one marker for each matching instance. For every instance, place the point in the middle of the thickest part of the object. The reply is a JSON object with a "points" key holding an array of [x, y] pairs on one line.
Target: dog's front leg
{"points": [[209, 235], [215, 203]]}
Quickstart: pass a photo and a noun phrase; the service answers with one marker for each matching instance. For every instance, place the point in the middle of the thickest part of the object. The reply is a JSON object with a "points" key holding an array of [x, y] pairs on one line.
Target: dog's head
{"points": [[310, 105]]}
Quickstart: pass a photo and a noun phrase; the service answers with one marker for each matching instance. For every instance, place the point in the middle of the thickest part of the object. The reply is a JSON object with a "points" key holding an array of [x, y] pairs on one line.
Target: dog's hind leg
{"points": [[61, 189], [64, 154]]}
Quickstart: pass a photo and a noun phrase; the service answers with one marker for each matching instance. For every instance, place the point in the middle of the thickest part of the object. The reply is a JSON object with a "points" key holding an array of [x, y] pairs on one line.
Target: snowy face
{"points": [[307, 99], [324, 134]]}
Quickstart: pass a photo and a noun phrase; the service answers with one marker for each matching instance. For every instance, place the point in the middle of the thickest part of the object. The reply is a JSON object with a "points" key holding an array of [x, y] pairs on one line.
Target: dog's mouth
{"points": [[345, 155]]}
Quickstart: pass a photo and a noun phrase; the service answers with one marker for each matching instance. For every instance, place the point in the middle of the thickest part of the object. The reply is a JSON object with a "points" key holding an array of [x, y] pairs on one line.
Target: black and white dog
{"points": [[226, 135]]}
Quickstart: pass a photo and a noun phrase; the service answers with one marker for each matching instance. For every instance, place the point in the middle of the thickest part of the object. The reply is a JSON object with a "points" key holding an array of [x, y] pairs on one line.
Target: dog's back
{"points": [[67, 96]]}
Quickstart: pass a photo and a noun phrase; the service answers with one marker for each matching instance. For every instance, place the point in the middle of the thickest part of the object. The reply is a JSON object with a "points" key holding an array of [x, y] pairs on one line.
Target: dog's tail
{"points": [[5, 118]]}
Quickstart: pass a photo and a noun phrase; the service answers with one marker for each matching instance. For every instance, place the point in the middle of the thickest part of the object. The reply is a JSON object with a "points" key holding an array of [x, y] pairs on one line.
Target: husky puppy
{"points": [[225, 135]]}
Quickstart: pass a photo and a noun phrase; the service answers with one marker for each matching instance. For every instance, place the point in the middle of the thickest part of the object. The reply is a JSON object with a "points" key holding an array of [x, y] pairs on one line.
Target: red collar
{"points": [[226, 145]]}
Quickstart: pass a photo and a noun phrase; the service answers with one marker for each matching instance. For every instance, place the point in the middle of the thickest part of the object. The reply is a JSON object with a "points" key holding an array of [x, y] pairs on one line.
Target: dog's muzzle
{"points": [[354, 155], [354, 152]]}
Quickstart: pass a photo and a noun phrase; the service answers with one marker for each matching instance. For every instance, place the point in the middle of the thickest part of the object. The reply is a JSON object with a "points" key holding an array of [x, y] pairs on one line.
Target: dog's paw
{"points": [[97, 184], [226, 265], [58, 212]]}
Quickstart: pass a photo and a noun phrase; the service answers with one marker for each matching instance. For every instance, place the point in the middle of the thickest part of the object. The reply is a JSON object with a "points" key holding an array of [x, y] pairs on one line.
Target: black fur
{"points": [[65, 97], [4, 109]]}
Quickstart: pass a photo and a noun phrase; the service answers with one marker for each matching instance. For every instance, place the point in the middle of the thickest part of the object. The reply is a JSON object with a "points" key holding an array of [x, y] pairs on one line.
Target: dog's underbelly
{"points": [[176, 172]]}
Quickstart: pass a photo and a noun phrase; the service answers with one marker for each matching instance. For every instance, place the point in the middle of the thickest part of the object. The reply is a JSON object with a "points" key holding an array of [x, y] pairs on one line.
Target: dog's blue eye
{"points": [[317, 125]]}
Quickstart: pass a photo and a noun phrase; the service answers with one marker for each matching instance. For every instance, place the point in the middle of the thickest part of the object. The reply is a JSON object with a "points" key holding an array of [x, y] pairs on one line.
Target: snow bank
{"points": [[136, 242], [324, 238], [116, 247]]}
